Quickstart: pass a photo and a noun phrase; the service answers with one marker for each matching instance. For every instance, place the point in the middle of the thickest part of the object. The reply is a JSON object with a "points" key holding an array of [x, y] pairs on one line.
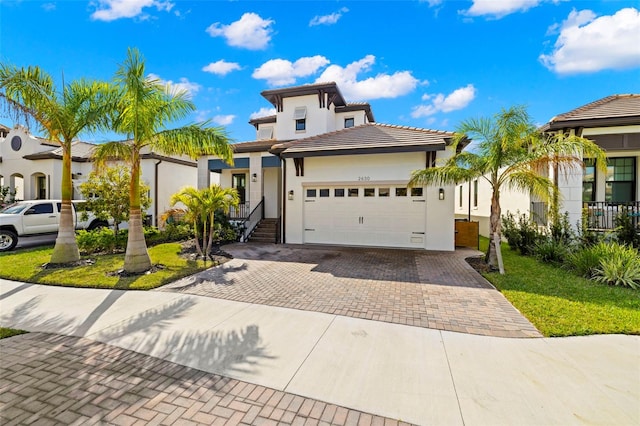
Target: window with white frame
{"points": [[349, 122], [300, 117]]}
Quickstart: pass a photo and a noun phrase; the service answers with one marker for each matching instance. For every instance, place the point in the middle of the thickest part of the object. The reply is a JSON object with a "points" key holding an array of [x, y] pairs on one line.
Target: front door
{"points": [[239, 182]]}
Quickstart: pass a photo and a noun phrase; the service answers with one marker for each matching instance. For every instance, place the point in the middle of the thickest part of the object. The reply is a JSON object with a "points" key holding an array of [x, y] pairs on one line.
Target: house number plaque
{"points": [[364, 178]]}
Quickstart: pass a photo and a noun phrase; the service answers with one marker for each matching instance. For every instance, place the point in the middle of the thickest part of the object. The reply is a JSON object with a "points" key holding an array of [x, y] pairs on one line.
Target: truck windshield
{"points": [[14, 208]]}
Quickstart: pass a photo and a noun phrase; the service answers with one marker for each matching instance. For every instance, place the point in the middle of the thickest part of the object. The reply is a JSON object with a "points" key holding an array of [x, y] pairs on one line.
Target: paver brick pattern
{"points": [[49, 379], [438, 290]]}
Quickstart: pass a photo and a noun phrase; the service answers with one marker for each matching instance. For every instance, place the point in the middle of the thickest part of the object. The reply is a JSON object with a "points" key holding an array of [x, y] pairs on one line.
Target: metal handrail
{"points": [[601, 215], [250, 222]]}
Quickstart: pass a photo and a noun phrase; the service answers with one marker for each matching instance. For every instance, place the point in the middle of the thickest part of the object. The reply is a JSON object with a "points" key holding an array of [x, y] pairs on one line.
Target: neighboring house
{"points": [[473, 202], [32, 168], [614, 124], [324, 172]]}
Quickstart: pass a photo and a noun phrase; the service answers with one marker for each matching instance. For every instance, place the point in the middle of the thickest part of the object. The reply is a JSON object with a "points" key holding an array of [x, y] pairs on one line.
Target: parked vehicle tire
{"points": [[97, 224], [8, 240]]}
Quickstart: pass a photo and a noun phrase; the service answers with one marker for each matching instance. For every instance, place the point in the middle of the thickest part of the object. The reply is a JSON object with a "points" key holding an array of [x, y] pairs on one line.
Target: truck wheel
{"points": [[97, 224], [8, 240]]}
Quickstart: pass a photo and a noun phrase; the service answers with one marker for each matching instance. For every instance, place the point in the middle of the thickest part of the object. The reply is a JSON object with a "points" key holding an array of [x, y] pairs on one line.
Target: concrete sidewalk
{"points": [[419, 375]]}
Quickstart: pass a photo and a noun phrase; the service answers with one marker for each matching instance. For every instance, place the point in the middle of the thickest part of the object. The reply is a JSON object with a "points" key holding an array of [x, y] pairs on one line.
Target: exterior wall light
{"points": [[290, 195], [441, 194], [254, 177]]}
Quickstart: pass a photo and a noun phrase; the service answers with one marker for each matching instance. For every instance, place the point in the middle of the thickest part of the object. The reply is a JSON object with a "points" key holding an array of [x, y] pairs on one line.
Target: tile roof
{"points": [[80, 151], [372, 138], [253, 146], [615, 109], [275, 96]]}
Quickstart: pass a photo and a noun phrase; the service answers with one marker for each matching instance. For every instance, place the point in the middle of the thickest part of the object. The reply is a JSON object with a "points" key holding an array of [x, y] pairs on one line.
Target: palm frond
{"points": [[112, 151], [194, 140]]}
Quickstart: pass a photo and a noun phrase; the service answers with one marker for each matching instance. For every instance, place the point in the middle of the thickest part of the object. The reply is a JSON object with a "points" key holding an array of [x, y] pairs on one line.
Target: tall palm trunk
{"points": [[136, 258], [494, 229], [66, 248]]}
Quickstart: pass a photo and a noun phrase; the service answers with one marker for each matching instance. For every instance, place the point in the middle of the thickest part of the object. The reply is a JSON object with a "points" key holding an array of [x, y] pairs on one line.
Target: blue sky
{"points": [[426, 64]]}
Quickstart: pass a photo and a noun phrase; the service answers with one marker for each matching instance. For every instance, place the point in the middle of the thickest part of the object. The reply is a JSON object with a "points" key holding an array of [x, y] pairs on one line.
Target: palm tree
{"points": [[510, 154], [143, 109], [62, 116], [201, 208]]}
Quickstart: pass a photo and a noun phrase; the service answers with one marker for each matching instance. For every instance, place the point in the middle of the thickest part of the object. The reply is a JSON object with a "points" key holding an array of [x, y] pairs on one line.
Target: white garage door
{"points": [[367, 215]]}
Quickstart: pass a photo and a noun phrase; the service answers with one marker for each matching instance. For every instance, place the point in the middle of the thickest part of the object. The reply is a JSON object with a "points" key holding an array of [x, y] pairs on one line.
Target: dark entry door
{"points": [[239, 182]]}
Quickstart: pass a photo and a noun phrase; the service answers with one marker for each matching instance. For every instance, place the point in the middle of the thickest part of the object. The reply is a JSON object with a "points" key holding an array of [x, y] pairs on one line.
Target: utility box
{"points": [[467, 234]]}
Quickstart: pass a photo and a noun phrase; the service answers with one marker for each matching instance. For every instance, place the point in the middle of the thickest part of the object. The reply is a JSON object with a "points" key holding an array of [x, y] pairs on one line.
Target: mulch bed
{"points": [[478, 263]]}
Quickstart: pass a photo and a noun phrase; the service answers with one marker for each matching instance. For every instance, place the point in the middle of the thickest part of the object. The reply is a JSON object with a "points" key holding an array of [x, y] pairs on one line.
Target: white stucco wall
{"points": [[510, 201], [318, 120], [272, 191], [172, 178], [379, 169]]}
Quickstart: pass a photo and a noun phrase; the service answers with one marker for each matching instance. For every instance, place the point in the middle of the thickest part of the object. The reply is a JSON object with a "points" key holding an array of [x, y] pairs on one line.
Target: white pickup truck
{"points": [[36, 217]]}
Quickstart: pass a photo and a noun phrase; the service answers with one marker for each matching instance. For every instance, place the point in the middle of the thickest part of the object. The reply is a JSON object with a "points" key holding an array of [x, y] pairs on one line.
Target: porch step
{"points": [[266, 232]]}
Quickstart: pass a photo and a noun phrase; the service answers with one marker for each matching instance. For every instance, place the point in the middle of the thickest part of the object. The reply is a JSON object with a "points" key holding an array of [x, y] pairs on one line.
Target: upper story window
{"points": [[300, 116], [349, 122]]}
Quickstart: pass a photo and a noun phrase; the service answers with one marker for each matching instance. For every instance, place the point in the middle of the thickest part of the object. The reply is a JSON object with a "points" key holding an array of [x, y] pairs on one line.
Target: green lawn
{"points": [[26, 265], [560, 303], [8, 332]]}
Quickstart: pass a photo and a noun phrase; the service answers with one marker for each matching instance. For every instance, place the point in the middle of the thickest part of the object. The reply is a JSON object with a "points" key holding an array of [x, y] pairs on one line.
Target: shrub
{"points": [[551, 251], [561, 230], [585, 261], [101, 240], [620, 265], [626, 231], [522, 235], [172, 232]]}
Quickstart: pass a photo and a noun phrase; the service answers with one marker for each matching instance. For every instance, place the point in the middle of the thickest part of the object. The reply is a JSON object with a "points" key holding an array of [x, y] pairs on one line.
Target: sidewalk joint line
{"points": [[453, 382], [309, 354]]}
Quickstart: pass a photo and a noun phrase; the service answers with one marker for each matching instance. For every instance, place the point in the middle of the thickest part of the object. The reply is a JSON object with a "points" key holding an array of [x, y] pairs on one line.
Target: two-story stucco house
{"points": [[32, 168], [324, 172], [614, 124]]}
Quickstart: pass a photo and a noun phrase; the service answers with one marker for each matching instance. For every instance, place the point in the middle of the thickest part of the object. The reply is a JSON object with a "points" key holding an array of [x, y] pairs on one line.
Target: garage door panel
{"points": [[387, 220]]}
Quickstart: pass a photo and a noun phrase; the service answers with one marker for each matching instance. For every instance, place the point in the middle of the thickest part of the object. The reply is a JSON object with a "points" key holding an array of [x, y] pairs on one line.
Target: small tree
{"points": [[107, 194], [201, 208], [510, 153]]}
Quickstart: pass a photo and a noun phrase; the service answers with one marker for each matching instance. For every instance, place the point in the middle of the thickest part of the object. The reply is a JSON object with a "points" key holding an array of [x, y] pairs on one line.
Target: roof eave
{"points": [[591, 122], [359, 151]]}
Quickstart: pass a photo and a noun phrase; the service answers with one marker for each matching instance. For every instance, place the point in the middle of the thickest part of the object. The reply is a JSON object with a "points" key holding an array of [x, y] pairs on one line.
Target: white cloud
{"points": [[328, 19], [263, 112], [499, 8], [48, 7], [456, 100], [280, 72], [183, 85], [221, 67], [381, 86], [223, 120], [110, 10], [250, 32], [590, 44]]}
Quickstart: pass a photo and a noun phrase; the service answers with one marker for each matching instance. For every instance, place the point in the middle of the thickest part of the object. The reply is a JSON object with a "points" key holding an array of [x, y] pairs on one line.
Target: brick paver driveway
{"points": [[48, 379], [426, 289]]}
